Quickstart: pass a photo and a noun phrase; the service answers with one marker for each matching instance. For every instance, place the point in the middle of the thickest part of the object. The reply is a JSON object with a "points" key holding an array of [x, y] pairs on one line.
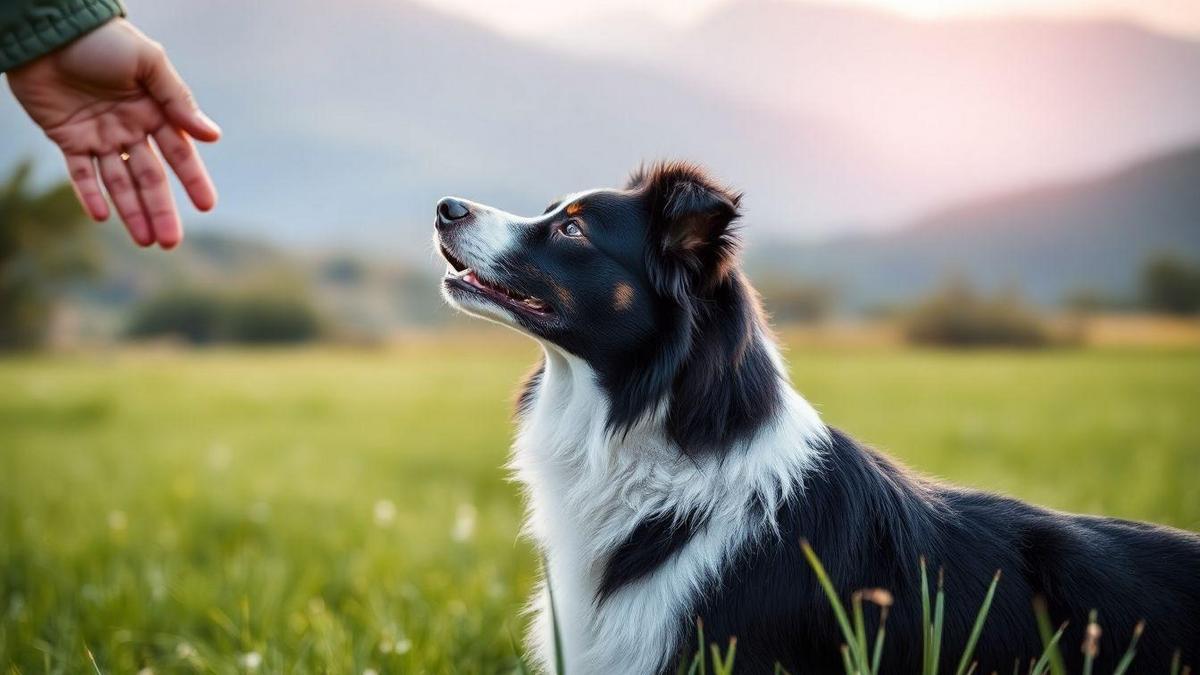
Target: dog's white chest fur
{"points": [[588, 490]]}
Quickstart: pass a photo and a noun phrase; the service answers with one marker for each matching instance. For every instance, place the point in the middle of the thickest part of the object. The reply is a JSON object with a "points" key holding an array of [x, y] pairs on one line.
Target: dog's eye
{"points": [[571, 229]]}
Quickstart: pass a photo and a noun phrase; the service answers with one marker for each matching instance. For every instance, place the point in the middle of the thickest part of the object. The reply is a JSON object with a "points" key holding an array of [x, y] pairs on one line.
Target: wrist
{"points": [[32, 31]]}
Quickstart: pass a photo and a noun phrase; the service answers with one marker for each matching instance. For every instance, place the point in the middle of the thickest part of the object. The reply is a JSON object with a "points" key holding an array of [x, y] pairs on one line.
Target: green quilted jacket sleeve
{"points": [[31, 28]]}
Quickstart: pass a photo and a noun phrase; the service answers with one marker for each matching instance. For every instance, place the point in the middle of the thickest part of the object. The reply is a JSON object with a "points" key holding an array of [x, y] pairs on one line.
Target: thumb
{"points": [[169, 90]]}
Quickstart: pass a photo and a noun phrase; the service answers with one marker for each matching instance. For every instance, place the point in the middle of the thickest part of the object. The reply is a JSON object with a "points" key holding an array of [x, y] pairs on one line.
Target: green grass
{"points": [[338, 511]]}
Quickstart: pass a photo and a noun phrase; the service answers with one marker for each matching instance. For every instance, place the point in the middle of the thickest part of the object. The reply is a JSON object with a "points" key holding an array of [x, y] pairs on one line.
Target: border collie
{"points": [[671, 471]]}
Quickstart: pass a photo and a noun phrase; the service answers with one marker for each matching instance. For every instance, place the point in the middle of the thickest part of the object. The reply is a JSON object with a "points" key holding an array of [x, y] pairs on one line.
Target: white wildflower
{"points": [[464, 523], [385, 512], [251, 660]]}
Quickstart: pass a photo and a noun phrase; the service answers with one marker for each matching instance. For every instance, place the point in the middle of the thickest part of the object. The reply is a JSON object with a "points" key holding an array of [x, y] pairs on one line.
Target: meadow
{"points": [[344, 510]]}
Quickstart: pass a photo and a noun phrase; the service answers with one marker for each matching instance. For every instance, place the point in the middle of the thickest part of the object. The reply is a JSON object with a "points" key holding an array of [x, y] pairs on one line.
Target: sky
{"points": [[530, 17]]}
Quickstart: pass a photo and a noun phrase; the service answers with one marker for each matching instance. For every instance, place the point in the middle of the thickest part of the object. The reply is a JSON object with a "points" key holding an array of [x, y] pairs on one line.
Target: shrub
{"points": [[803, 303], [1171, 285], [42, 247], [957, 316], [203, 318], [270, 320]]}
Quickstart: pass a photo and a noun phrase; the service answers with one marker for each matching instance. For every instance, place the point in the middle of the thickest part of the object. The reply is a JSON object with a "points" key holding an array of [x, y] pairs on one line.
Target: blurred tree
{"points": [[956, 315], [345, 270], [41, 249], [269, 319], [203, 317], [192, 316], [798, 302], [1171, 284]]}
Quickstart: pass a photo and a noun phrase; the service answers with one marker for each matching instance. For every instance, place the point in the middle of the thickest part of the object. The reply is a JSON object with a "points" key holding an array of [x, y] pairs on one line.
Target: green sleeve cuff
{"points": [[32, 29]]}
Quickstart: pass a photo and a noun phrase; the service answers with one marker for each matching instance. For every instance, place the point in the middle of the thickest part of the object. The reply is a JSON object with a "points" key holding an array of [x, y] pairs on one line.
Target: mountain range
{"points": [[345, 123], [1047, 242]]}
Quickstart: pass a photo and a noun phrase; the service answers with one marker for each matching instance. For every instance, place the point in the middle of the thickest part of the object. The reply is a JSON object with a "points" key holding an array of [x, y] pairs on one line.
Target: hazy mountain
{"points": [[1047, 242], [965, 106], [349, 122], [344, 123]]}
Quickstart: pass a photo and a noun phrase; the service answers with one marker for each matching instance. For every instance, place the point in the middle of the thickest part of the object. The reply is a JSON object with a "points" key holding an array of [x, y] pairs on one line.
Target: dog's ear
{"points": [[692, 218]]}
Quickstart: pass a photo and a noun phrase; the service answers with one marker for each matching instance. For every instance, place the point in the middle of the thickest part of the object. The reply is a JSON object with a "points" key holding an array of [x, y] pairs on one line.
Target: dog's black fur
{"points": [[870, 521], [695, 337]]}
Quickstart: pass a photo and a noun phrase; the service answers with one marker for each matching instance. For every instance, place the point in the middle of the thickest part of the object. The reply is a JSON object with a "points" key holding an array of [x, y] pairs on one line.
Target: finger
{"points": [[181, 154], [120, 186], [82, 169], [155, 194], [169, 90]]}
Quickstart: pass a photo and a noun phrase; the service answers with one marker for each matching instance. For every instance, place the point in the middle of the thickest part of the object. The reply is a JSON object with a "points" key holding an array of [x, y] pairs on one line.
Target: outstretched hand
{"points": [[101, 98]]}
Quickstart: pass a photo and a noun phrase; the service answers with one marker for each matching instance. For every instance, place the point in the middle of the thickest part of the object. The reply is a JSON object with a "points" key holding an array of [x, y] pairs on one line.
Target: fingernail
{"points": [[207, 121]]}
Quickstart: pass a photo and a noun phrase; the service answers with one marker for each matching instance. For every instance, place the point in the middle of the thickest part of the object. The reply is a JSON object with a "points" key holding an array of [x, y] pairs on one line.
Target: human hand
{"points": [[101, 98]]}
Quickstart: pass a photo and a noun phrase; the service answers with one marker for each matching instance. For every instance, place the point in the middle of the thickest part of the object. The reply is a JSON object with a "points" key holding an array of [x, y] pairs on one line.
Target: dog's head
{"points": [[641, 283], [597, 271]]}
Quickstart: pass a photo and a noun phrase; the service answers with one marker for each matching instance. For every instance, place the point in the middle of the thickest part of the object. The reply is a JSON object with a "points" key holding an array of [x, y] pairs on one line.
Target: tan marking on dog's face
{"points": [[564, 295], [622, 296], [574, 209]]}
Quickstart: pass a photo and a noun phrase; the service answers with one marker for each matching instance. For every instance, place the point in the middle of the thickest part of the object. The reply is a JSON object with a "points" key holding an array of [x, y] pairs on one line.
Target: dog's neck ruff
{"points": [[589, 489]]}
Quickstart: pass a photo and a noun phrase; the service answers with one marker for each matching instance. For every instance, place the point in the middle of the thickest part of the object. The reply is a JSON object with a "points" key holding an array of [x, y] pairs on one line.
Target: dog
{"points": [[671, 471]]}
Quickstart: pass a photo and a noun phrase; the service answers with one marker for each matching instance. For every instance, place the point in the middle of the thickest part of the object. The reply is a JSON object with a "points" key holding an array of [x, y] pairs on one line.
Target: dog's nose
{"points": [[450, 210]]}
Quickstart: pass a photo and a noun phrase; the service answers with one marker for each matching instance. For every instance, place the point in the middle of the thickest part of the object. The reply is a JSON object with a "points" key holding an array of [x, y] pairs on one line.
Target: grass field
{"points": [[344, 511]]}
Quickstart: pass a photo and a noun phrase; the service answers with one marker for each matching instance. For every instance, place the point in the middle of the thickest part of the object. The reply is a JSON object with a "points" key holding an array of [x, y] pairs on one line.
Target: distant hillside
{"points": [[1046, 241]]}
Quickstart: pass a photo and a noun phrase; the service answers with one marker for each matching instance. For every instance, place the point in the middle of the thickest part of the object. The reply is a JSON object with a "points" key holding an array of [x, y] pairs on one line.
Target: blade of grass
{"points": [[724, 666], [978, 627], [95, 666], [926, 625], [1046, 631], [1040, 666], [559, 665], [939, 617], [877, 656], [846, 661], [1131, 651], [700, 641], [860, 630], [1175, 659], [838, 610], [1091, 643]]}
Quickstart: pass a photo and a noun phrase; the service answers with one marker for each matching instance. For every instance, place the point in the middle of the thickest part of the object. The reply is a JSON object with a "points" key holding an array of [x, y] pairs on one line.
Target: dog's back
{"points": [[870, 522]]}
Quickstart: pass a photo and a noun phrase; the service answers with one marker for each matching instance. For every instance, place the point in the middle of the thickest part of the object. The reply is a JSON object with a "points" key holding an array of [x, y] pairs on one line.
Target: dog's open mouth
{"points": [[464, 277]]}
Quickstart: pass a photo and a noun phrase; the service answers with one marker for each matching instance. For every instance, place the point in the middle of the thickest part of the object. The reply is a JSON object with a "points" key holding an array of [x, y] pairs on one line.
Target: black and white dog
{"points": [[671, 470]]}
